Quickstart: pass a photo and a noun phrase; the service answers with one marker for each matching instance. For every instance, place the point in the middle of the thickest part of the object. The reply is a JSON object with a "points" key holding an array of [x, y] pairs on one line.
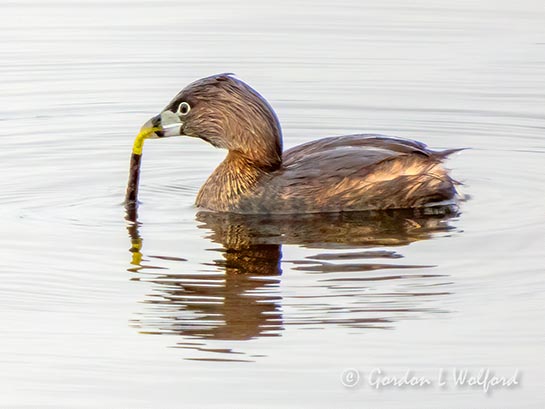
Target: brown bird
{"points": [[335, 174]]}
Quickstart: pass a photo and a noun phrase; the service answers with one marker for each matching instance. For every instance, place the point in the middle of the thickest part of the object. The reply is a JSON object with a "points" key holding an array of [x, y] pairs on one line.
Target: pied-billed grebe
{"points": [[336, 174]]}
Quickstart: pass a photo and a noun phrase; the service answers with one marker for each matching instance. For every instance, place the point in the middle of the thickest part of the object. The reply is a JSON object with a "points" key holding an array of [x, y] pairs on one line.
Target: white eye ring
{"points": [[183, 108]]}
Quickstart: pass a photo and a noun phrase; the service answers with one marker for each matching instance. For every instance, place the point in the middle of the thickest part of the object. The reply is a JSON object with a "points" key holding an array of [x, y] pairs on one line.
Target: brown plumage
{"points": [[336, 174]]}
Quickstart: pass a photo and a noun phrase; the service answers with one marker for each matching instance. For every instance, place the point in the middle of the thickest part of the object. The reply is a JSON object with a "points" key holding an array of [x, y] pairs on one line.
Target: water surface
{"points": [[211, 311]]}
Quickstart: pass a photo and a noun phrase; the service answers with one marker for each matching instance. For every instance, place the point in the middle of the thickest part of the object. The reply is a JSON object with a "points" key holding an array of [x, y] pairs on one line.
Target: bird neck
{"points": [[258, 148], [235, 177]]}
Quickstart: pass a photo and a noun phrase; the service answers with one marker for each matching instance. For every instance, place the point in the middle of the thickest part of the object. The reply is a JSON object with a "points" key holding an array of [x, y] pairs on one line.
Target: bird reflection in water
{"points": [[237, 295]]}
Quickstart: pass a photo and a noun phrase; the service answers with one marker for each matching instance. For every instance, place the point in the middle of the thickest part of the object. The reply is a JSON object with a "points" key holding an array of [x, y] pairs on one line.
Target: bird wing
{"points": [[358, 172], [364, 141]]}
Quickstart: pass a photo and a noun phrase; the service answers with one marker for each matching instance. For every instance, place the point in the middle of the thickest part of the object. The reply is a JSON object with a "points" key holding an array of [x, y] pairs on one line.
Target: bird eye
{"points": [[183, 108]]}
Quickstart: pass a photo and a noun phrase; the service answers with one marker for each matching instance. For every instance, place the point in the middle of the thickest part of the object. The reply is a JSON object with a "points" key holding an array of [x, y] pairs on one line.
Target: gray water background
{"points": [[181, 322]]}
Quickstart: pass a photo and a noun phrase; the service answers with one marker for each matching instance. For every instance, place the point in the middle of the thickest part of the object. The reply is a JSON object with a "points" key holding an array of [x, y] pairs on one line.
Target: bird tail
{"points": [[442, 155]]}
